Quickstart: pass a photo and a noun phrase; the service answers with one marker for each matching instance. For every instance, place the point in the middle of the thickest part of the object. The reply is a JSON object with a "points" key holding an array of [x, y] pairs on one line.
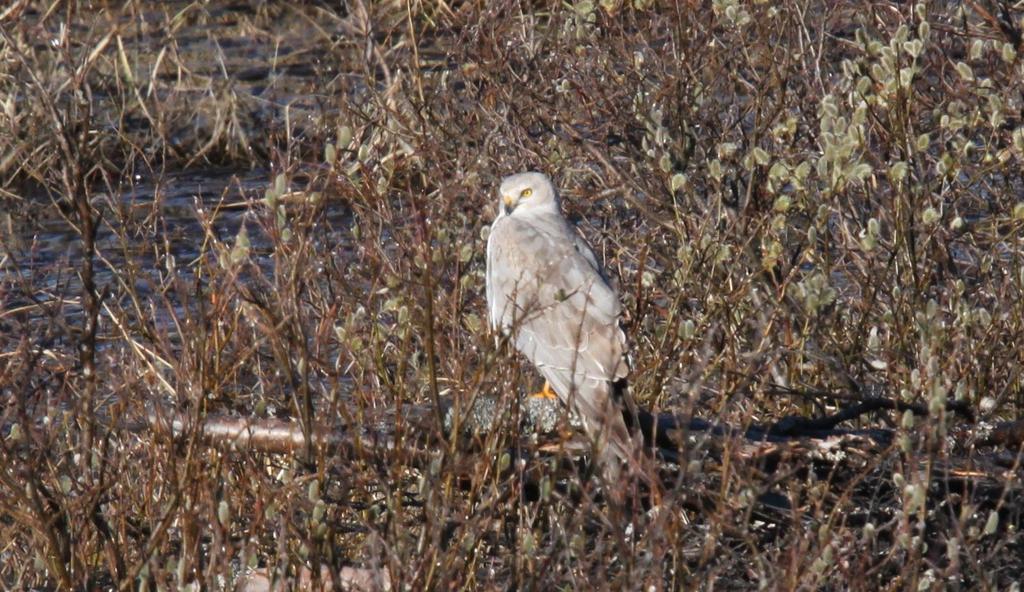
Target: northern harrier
{"points": [[546, 290]]}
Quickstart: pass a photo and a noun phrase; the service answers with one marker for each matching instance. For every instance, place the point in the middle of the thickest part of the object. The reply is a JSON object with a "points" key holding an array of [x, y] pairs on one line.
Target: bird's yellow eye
{"points": [[526, 192]]}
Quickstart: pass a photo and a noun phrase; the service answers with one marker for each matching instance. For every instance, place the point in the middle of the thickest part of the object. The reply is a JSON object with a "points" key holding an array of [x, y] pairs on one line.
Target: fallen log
{"points": [[666, 433]]}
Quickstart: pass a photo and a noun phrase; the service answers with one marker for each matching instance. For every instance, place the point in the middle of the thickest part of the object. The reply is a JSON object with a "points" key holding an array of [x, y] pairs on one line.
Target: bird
{"points": [[547, 292]]}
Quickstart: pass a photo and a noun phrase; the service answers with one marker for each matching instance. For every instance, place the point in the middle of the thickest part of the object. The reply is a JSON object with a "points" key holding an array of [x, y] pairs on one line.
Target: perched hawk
{"points": [[546, 290]]}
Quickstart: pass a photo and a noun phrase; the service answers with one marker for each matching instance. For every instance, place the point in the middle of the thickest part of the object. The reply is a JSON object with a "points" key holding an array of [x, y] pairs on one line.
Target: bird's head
{"points": [[525, 193]]}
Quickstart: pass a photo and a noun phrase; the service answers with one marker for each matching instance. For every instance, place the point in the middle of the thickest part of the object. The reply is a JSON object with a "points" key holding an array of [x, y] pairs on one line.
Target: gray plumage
{"points": [[546, 290]]}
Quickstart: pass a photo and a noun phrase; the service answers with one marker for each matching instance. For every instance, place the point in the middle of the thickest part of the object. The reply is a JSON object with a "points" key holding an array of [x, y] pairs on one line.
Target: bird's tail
{"points": [[604, 417]]}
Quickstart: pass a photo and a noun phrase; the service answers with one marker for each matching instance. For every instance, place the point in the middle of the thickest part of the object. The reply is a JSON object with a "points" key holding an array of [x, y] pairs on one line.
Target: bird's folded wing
{"points": [[546, 288]]}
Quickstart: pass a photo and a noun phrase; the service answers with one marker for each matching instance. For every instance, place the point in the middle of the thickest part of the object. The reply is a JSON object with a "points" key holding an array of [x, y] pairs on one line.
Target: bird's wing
{"points": [[583, 248], [543, 282]]}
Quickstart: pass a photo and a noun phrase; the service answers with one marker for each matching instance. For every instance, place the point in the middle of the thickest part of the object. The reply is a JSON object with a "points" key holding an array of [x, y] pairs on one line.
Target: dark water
{"points": [[187, 57], [151, 232]]}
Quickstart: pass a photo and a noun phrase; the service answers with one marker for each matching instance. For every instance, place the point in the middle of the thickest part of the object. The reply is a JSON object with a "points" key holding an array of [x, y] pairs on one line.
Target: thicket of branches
{"points": [[802, 203]]}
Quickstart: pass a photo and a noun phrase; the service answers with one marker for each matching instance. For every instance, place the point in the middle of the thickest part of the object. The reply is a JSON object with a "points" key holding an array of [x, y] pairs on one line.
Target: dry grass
{"points": [[819, 196]]}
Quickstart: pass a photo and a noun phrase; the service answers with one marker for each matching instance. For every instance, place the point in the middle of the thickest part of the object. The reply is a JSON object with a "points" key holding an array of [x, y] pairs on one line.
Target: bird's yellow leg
{"points": [[546, 392]]}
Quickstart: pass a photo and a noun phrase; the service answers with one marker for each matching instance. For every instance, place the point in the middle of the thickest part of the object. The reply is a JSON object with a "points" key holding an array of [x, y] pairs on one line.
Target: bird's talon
{"points": [[545, 393]]}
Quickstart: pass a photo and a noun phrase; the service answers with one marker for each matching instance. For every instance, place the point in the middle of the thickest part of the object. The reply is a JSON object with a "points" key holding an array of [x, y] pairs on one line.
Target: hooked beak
{"points": [[507, 200]]}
